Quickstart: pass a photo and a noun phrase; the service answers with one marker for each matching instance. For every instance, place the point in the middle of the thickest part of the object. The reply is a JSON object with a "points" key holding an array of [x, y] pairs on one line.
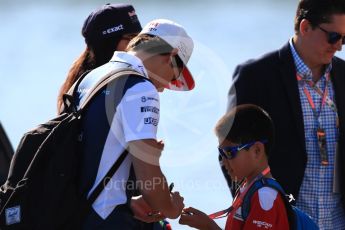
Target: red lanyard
{"points": [[238, 199], [324, 95]]}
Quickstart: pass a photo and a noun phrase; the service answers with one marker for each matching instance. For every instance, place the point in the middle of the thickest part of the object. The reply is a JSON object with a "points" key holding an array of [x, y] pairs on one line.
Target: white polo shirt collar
{"points": [[130, 59]]}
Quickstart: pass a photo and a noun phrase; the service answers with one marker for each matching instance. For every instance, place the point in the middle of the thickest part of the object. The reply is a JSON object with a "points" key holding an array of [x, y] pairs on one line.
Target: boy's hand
{"points": [[197, 219]]}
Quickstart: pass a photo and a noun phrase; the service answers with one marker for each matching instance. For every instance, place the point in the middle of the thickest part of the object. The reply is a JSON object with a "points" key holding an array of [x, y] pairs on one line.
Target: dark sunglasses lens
{"points": [[334, 37], [226, 154], [179, 62], [221, 153]]}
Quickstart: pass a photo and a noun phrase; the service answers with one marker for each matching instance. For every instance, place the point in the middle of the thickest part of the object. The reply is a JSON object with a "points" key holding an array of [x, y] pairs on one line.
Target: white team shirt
{"points": [[136, 118]]}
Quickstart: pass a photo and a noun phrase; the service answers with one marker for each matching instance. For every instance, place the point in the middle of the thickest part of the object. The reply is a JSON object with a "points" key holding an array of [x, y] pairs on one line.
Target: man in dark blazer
{"points": [[271, 82]]}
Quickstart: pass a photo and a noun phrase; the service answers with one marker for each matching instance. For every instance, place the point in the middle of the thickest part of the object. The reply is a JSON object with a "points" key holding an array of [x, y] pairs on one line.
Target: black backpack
{"points": [[41, 191]]}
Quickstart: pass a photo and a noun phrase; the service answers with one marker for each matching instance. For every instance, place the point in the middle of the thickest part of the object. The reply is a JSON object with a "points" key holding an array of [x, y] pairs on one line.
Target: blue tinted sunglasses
{"points": [[230, 152], [333, 37]]}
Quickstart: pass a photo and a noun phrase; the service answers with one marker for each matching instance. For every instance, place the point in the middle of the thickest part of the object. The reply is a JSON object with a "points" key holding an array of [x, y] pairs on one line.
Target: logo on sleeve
{"points": [[150, 121], [151, 109], [145, 99]]}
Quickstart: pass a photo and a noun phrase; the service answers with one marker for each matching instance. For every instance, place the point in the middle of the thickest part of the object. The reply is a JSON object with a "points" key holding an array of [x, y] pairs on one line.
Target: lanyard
{"points": [[320, 133], [325, 98], [319, 91], [238, 199]]}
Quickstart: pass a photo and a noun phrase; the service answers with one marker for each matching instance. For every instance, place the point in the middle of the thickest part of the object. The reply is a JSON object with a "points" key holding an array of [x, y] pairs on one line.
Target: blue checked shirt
{"points": [[316, 196]]}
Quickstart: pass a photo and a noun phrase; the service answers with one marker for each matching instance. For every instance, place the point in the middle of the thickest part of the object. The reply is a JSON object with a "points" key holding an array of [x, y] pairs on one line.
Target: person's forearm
{"points": [[156, 192], [153, 185]]}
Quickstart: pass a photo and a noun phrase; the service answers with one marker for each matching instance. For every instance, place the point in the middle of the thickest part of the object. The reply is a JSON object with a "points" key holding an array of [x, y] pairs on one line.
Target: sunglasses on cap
{"points": [[333, 37], [230, 152]]}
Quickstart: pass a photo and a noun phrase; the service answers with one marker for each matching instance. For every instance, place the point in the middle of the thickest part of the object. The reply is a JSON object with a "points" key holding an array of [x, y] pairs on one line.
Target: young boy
{"points": [[245, 136]]}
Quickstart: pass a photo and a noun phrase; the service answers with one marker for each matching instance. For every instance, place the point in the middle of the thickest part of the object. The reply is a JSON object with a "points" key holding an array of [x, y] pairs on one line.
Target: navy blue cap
{"points": [[111, 20]]}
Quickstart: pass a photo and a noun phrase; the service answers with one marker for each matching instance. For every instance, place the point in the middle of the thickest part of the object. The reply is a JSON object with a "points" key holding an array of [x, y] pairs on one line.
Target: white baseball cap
{"points": [[176, 36]]}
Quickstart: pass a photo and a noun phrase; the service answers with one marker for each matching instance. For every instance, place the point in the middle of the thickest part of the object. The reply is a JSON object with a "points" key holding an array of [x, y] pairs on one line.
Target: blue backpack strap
{"points": [[272, 183]]}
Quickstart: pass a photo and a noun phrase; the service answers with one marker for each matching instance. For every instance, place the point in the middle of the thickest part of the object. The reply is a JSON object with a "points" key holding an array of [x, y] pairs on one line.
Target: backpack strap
{"points": [[111, 76], [103, 183], [106, 79], [271, 183], [69, 104]]}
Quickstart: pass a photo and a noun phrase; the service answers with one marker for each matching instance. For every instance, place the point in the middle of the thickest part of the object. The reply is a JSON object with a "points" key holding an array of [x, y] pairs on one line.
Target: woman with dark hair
{"points": [[107, 29]]}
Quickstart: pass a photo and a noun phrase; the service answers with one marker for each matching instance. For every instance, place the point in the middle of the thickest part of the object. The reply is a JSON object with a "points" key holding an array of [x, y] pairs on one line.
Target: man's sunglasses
{"points": [[178, 63], [230, 152], [333, 37]]}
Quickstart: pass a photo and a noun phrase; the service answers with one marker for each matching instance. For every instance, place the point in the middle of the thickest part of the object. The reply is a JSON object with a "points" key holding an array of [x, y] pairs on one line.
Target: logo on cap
{"points": [[153, 25], [113, 29]]}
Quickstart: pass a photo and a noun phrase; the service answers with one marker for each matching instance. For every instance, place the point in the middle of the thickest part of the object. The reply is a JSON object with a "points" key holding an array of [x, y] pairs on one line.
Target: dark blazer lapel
{"points": [[288, 73]]}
